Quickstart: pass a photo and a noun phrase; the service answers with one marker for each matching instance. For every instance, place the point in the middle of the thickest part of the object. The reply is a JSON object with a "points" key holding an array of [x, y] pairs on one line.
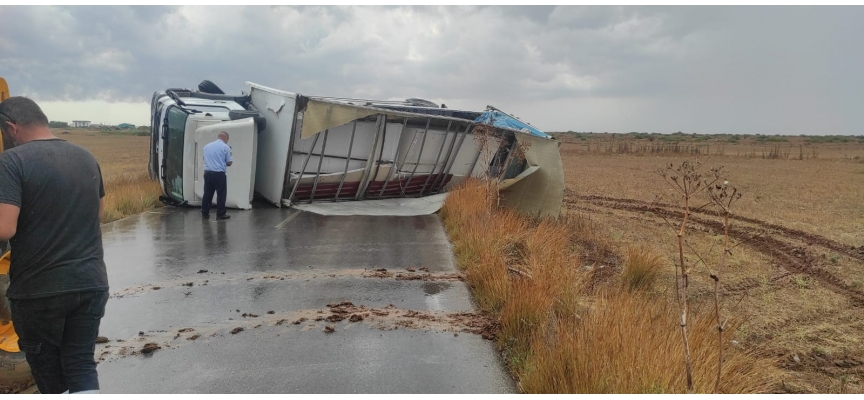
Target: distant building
{"points": [[126, 126], [80, 124]]}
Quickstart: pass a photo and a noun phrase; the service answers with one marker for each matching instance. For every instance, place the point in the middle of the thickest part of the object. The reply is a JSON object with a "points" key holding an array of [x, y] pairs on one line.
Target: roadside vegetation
{"points": [[578, 316], [122, 155], [793, 274], [129, 194]]}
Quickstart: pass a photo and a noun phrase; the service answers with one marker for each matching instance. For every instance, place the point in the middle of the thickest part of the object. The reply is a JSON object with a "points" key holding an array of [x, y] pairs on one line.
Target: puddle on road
{"points": [[434, 288], [433, 294]]}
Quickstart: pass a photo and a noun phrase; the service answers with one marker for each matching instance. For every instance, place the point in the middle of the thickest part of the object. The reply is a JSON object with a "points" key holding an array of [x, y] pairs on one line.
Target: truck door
{"points": [[243, 139]]}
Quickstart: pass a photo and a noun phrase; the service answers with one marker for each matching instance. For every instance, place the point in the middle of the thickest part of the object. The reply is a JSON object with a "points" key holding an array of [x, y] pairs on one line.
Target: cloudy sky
{"points": [[770, 70]]}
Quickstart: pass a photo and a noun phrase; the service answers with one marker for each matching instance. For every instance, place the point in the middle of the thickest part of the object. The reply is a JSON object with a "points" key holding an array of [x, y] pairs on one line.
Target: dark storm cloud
{"points": [[660, 68]]}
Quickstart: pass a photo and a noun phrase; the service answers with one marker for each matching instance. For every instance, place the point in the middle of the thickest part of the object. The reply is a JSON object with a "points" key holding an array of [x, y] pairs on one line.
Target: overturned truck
{"points": [[299, 151]]}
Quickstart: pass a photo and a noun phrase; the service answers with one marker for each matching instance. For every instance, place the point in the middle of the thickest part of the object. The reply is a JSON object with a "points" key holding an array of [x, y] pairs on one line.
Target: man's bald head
{"points": [[223, 136], [21, 120]]}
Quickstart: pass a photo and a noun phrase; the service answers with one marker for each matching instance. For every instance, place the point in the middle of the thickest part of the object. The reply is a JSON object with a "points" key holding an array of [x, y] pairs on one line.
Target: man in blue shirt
{"points": [[217, 158]]}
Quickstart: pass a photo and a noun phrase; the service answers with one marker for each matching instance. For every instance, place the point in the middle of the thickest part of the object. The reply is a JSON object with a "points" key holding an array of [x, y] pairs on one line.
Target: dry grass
{"points": [[630, 342], [568, 327], [642, 267], [810, 330], [130, 194], [123, 159]]}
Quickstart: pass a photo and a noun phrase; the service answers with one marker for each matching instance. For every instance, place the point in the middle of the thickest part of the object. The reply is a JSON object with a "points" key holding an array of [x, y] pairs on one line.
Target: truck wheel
{"points": [[209, 87]]}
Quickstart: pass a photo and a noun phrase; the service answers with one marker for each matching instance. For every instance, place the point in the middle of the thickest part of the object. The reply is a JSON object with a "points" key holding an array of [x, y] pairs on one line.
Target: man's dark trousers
{"points": [[214, 182], [58, 336]]}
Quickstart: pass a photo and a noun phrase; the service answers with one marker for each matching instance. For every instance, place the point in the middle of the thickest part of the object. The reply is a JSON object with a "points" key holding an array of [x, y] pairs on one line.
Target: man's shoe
{"points": [[205, 216], [224, 216]]}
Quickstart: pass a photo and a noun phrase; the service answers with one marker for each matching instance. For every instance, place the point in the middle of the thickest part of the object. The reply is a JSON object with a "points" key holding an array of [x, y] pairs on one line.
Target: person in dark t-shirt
{"points": [[51, 202]]}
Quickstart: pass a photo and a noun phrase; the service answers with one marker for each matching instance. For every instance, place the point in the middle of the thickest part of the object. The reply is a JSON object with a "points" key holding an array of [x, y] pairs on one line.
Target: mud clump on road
{"points": [[185, 330], [297, 322], [329, 329], [193, 337], [341, 310], [249, 315], [380, 273], [391, 317], [335, 318], [271, 312], [237, 330], [203, 271], [340, 305], [405, 323], [150, 348], [401, 277], [477, 324], [101, 339]]}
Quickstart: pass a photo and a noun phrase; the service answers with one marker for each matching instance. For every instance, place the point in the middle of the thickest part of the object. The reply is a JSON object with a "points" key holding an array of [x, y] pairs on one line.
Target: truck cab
{"points": [[183, 121]]}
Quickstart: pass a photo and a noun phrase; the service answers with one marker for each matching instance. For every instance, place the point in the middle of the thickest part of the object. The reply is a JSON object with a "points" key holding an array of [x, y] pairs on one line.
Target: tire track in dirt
{"points": [[794, 234], [789, 256], [744, 286]]}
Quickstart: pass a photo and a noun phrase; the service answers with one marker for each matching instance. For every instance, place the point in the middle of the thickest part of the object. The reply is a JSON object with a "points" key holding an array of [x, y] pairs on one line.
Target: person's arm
{"points": [[101, 194], [10, 198], [8, 221], [228, 158]]}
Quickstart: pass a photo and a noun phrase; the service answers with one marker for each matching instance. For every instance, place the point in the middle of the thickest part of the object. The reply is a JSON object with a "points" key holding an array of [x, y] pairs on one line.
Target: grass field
{"points": [[797, 279], [123, 159]]}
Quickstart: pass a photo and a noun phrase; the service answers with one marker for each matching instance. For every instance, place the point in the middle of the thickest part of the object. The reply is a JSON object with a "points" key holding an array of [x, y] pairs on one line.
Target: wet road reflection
{"points": [[169, 269]]}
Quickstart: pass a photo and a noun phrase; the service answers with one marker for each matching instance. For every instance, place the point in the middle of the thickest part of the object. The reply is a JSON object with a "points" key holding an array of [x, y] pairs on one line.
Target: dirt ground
{"points": [[123, 157], [797, 275], [118, 154]]}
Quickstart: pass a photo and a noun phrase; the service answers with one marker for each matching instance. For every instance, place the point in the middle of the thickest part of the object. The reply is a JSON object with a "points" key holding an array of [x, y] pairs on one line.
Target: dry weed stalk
{"points": [[687, 182], [723, 196]]}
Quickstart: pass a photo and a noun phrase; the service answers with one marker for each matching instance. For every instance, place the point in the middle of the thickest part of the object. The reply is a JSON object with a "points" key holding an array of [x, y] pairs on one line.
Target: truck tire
{"points": [[209, 87]]}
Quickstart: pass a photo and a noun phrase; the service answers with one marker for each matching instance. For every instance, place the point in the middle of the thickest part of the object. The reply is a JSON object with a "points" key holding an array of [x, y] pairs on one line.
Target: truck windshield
{"points": [[174, 145]]}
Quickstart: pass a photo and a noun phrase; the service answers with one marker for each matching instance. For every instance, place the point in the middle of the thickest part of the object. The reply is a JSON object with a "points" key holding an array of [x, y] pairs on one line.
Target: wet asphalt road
{"points": [[291, 265]]}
